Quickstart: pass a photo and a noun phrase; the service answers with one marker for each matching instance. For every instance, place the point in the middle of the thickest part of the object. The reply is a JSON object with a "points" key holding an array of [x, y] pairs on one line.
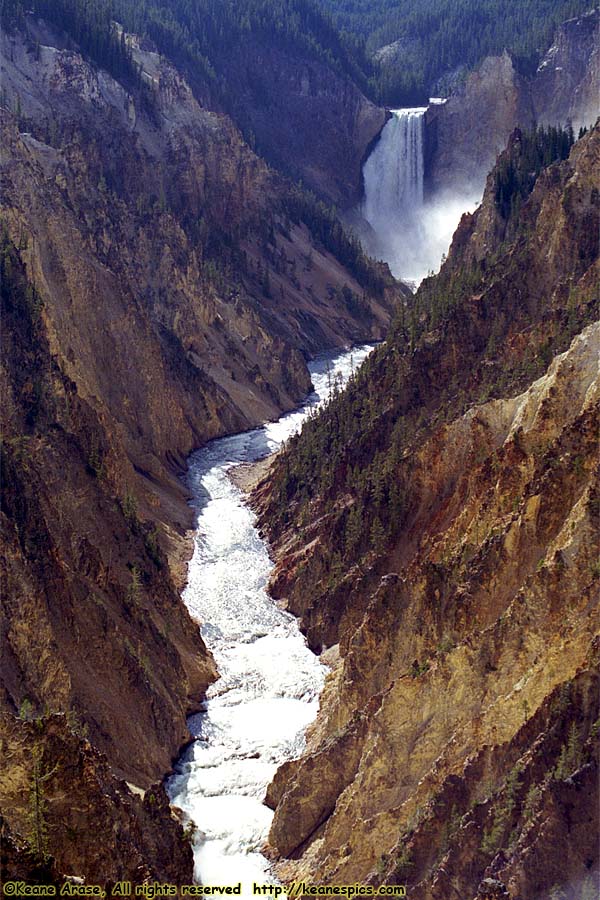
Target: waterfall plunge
{"points": [[393, 173], [395, 223]]}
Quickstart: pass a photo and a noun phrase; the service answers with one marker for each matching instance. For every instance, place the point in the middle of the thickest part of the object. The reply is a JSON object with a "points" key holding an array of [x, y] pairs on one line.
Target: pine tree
{"points": [[377, 534], [353, 530], [38, 831]]}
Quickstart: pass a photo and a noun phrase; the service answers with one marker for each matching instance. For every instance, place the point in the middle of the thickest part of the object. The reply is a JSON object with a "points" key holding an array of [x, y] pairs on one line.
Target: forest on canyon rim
{"points": [[181, 187]]}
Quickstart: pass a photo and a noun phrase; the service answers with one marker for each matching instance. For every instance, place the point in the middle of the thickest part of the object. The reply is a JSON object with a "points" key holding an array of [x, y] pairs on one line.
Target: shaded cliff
{"points": [[294, 88], [160, 286], [437, 528], [92, 624], [55, 785], [290, 81], [308, 120], [465, 135], [565, 86]]}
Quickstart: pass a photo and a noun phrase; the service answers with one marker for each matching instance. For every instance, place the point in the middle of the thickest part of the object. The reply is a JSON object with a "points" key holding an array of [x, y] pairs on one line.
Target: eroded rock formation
{"points": [[465, 135]]}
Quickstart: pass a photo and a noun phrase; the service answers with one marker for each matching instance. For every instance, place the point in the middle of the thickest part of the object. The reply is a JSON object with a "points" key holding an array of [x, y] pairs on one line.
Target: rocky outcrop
{"points": [[565, 86], [160, 286], [465, 135], [466, 603], [312, 786], [55, 785], [484, 649]]}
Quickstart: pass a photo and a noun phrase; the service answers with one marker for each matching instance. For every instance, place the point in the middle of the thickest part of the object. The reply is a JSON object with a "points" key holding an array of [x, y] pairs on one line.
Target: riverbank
{"points": [[247, 476]]}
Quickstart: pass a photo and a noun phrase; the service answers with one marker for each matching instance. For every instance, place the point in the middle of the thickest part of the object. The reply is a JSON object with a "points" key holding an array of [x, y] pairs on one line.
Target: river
{"points": [[255, 715]]}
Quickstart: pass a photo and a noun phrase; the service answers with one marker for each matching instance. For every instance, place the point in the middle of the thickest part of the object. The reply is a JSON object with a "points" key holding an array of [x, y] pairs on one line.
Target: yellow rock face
{"points": [[514, 634]]}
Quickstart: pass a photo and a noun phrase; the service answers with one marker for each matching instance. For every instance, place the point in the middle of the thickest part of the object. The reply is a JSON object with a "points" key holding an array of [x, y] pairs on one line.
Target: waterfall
{"points": [[393, 173], [394, 222]]}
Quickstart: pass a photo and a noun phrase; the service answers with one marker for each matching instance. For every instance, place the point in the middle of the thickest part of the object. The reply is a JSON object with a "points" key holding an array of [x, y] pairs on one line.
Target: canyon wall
{"points": [[466, 134], [436, 528], [160, 286], [309, 120]]}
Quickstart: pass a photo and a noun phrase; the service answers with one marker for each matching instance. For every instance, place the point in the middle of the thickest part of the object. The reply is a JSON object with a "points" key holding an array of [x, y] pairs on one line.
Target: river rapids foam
{"points": [[256, 714]]}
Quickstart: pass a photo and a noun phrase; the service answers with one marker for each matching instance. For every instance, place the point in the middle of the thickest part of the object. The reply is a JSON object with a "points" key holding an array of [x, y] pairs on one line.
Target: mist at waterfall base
{"points": [[396, 223], [268, 691]]}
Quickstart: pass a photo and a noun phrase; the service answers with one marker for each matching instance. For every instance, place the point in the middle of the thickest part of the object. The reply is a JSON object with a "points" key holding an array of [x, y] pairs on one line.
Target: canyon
{"points": [[269, 682], [165, 282], [161, 286]]}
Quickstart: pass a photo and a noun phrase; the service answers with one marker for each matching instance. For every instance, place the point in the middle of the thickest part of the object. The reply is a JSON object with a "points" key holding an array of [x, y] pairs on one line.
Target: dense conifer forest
{"points": [[89, 25], [438, 37], [197, 35], [434, 43], [516, 174], [211, 29]]}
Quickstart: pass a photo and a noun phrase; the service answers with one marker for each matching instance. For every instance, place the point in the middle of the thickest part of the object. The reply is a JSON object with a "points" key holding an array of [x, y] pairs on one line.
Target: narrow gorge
{"points": [[269, 681], [299, 520], [161, 286]]}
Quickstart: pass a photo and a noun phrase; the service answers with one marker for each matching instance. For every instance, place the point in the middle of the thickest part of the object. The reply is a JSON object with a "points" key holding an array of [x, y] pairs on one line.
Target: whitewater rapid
{"points": [[255, 715]]}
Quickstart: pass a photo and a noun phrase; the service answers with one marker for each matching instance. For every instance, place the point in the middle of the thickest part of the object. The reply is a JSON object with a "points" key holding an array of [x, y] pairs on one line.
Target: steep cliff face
{"points": [[444, 540], [92, 625], [465, 135], [56, 784], [160, 286], [308, 120], [565, 86]]}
